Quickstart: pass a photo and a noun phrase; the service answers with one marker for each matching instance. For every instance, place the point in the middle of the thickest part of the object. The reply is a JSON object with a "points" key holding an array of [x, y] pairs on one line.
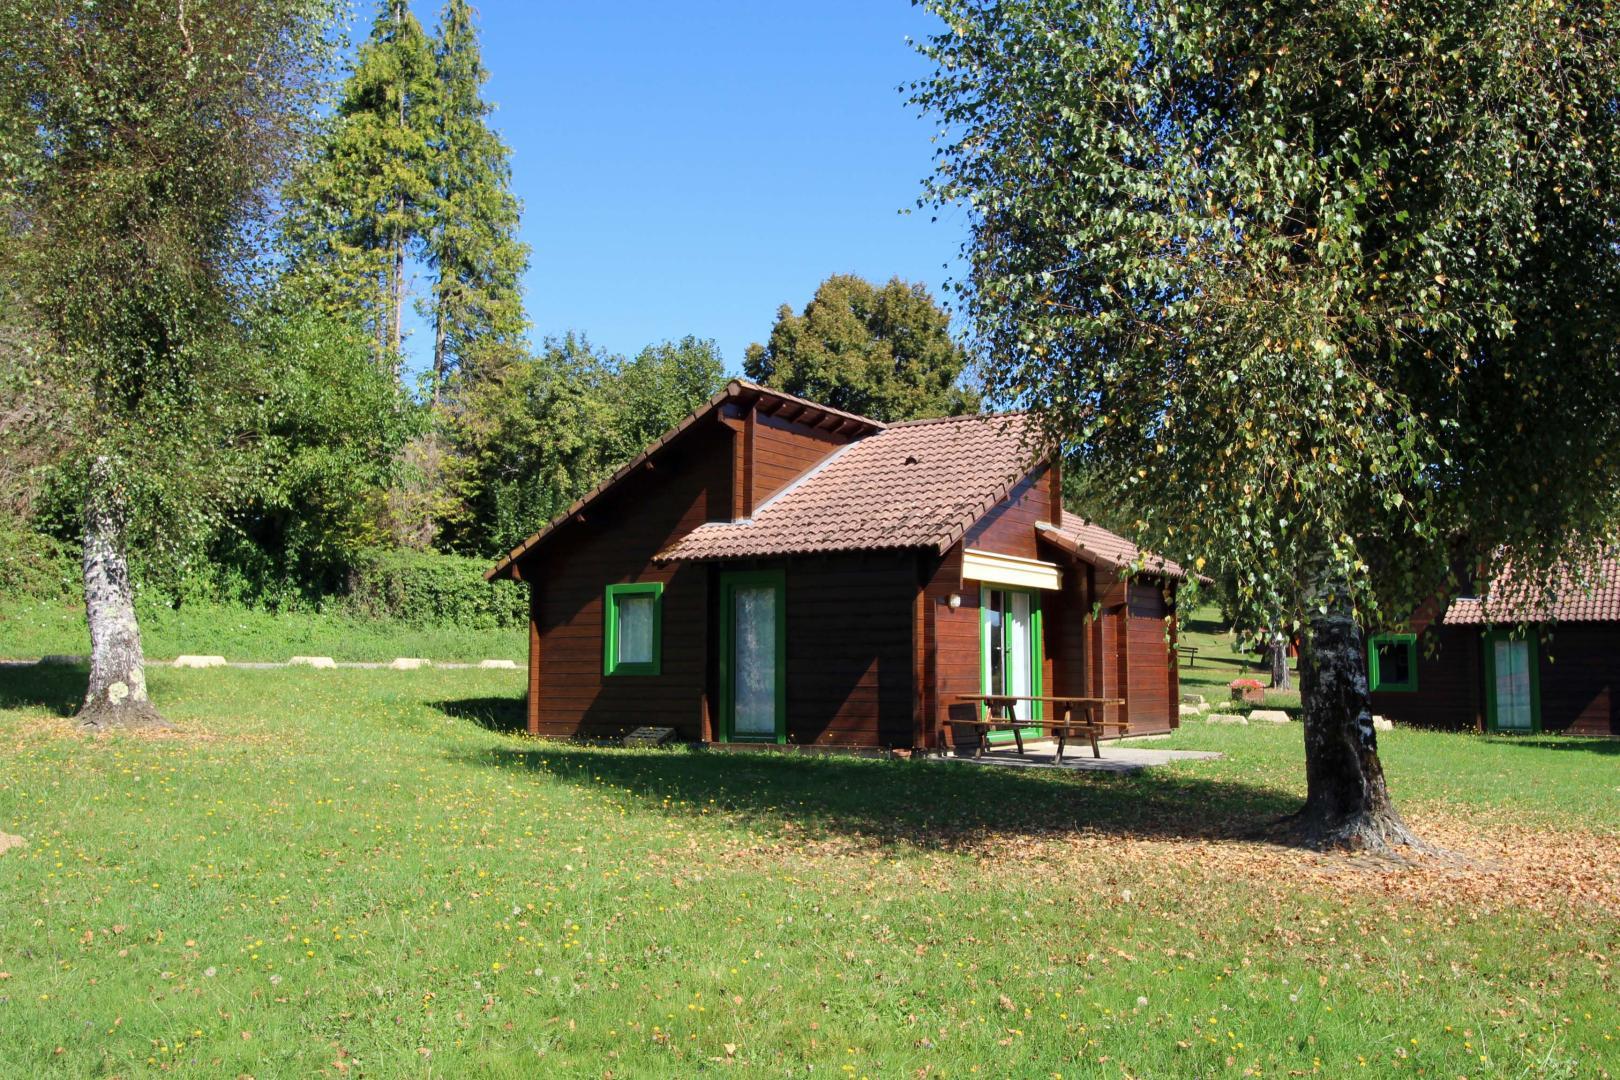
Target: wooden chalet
{"points": [[774, 570], [1514, 662]]}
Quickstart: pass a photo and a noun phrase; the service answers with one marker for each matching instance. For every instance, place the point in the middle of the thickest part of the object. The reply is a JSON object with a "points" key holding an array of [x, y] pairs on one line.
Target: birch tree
{"points": [[1327, 293], [139, 141]]}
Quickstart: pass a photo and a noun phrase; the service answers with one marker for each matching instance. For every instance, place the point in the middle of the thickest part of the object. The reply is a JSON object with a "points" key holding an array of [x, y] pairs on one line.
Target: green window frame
{"points": [[1377, 679], [611, 664], [1037, 658]]}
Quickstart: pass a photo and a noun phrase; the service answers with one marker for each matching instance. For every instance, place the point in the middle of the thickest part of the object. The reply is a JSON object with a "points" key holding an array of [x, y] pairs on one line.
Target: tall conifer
{"points": [[477, 303], [360, 208]]}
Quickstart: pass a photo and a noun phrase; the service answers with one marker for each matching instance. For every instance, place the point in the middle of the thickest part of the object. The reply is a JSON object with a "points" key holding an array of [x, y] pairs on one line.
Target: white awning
{"points": [[1011, 570]]}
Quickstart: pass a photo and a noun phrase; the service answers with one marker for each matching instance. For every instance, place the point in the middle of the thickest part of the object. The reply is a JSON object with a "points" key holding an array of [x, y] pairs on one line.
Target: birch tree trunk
{"points": [[116, 695], [1278, 655], [1346, 804]]}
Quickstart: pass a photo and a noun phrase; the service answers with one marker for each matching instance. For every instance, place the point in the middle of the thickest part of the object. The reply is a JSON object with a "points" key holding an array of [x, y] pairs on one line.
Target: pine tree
{"points": [[477, 303], [359, 210]]}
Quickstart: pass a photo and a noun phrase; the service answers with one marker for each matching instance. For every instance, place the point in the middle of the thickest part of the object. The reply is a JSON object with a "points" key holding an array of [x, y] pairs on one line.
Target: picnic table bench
{"points": [[1190, 652], [999, 717]]}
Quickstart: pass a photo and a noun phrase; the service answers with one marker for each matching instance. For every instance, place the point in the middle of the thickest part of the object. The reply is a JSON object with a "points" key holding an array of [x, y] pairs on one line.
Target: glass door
{"points": [[1010, 641], [1511, 683], [752, 657]]}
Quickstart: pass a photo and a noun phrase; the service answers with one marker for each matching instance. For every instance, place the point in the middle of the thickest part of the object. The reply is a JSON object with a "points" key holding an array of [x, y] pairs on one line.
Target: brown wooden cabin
{"points": [[1507, 664], [774, 570]]}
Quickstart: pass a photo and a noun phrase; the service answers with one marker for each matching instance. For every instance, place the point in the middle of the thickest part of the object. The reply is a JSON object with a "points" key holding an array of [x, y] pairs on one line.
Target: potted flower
{"points": [[1248, 691]]}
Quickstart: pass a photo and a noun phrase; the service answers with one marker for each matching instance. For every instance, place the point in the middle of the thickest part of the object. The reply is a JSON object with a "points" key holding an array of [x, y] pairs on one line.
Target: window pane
{"points": [[1020, 674], [993, 641], [1394, 663], [754, 684], [635, 629]]}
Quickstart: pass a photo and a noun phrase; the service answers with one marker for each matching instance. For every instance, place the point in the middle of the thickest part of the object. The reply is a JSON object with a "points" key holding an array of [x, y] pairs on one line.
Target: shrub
{"points": [[426, 588], [35, 565]]}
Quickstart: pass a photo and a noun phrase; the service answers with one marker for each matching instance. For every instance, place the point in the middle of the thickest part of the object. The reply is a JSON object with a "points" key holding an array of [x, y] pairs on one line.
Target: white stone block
{"points": [[409, 663], [190, 660], [1225, 718], [497, 664], [1191, 710], [1382, 723], [1269, 716], [312, 661]]}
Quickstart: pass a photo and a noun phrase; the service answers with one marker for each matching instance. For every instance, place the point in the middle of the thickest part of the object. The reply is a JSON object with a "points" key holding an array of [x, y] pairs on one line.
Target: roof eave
{"points": [[735, 390]]}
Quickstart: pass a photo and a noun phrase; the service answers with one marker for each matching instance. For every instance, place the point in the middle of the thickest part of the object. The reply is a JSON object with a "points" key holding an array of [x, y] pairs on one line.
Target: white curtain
{"points": [[1019, 681], [755, 676], [635, 629], [1513, 685]]}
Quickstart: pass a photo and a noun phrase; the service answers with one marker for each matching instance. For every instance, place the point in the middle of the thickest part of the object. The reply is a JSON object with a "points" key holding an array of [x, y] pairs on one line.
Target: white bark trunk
{"points": [[1347, 803], [1278, 656], [116, 694]]}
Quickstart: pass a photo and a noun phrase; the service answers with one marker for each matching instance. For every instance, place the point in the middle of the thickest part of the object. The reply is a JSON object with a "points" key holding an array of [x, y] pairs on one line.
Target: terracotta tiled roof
{"points": [[920, 484], [736, 389], [1097, 545], [1593, 597]]}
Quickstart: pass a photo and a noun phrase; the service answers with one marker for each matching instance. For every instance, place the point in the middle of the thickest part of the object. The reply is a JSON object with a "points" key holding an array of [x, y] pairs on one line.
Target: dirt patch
{"points": [[8, 841], [1488, 866], [1485, 866]]}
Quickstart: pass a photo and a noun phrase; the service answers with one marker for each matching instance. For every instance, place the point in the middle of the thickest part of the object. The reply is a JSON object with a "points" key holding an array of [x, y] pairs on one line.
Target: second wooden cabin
{"points": [[773, 570]]}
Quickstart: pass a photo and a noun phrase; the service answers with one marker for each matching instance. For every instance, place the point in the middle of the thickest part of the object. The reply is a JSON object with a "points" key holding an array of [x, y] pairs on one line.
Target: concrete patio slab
{"points": [[1042, 754]]}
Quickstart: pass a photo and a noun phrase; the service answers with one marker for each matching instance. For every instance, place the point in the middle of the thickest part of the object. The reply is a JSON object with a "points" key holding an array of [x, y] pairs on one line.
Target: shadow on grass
{"points": [[929, 804], [503, 714], [1589, 743], [57, 687]]}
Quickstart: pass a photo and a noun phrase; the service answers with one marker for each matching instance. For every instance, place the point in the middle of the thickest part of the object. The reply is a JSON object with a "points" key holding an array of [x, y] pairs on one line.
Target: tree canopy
{"points": [[538, 437], [142, 147], [1324, 293], [884, 352]]}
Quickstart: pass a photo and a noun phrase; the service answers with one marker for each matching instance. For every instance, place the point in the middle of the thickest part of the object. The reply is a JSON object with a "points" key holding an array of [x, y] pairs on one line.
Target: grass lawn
{"points": [[1219, 662], [358, 872], [33, 628]]}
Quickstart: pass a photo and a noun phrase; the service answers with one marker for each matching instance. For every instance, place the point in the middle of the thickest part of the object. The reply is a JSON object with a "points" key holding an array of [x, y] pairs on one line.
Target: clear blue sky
{"points": [[689, 167]]}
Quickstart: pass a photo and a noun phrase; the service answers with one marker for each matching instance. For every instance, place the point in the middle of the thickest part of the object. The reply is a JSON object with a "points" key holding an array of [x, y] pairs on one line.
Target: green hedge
{"points": [[37, 566], [425, 588]]}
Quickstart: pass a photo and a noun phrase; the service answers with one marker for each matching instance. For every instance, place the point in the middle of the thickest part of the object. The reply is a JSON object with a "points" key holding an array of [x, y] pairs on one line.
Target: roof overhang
{"points": [[737, 393]]}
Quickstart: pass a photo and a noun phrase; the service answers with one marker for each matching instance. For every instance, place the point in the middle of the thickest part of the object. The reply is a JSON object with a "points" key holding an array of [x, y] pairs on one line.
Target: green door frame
{"points": [[1534, 658], [729, 581], [1037, 658]]}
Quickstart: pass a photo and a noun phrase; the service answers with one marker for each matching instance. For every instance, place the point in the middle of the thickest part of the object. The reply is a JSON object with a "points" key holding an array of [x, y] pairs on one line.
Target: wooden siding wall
{"points": [[1131, 659], [1009, 528], [1066, 618], [1450, 679], [950, 643], [1108, 660], [850, 649], [785, 451], [616, 543], [1580, 679], [1153, 707]]}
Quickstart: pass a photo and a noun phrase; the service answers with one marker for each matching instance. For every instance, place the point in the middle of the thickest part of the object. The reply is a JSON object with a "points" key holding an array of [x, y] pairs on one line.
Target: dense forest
{"points": [[278, 448]]}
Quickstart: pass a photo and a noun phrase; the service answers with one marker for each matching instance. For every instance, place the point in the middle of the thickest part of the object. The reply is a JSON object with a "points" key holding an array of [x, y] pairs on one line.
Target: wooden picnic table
{"points": [[999, 716], [1190, 652]]}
